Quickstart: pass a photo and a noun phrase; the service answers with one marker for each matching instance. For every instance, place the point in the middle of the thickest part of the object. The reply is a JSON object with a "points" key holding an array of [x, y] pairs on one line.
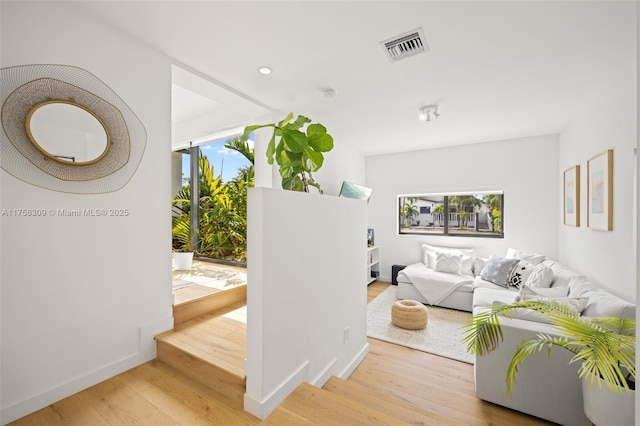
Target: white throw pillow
{"points": [[533, 258], [541, 277], [478, 265], [429, 252], [466, 268], [520, 274], [449, 263]]}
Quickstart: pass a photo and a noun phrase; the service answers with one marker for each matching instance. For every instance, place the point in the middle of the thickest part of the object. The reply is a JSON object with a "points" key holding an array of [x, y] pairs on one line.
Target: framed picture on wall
{"points": [[572, 196], [600, 191]]}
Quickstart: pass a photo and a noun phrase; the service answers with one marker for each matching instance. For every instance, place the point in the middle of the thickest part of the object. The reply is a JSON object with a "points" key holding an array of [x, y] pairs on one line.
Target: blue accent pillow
{"points": [[498, 270]]}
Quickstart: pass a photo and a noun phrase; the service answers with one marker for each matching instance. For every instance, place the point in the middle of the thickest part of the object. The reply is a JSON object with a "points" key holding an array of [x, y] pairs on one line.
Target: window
{"points": [[452, 214]]}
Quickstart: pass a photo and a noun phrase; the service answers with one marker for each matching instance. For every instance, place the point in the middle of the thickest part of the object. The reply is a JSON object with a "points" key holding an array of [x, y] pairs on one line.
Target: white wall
{"points": [[82, 297], [176, 173], [637, 191], [306, 269], [609, 122], [522, 168], [341, 163]]}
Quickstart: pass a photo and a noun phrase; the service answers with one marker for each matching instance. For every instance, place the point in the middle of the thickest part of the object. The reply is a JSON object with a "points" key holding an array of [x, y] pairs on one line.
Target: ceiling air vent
{"points": [[404, 45]]}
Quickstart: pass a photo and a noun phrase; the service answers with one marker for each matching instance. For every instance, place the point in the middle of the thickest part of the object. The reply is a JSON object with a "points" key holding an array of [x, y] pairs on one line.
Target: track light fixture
{"points": [[426, 112]]}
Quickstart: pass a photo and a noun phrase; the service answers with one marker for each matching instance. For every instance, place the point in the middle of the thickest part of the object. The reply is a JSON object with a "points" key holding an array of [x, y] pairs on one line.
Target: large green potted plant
{"points": [[298, 150], [605, 347]]}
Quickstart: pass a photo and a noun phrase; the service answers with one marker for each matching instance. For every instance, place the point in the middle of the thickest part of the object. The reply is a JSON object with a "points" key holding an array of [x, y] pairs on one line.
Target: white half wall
{"points": [[609, 122], [82, 297], [522, 168], [306, 296]]}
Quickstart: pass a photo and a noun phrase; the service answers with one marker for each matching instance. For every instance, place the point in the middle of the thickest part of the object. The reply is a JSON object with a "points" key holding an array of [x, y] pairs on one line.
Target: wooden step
{"points": [[210, 349], [193, 308], [398, 409], [312, 405]]}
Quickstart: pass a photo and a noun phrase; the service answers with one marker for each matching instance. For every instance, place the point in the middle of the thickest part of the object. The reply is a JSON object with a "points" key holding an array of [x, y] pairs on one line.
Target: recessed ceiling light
{"points": [[264, 70]]}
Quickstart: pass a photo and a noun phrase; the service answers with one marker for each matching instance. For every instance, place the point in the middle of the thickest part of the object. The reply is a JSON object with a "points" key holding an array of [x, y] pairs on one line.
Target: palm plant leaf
{"points": [[605, 346], [242, 146], [529, 347]]}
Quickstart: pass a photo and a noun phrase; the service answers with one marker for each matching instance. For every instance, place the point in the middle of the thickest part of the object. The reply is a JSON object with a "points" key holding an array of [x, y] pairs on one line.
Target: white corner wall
{"points": [[82, 297], [306, 269], [522, 168], [609, 122], [341, 163]]}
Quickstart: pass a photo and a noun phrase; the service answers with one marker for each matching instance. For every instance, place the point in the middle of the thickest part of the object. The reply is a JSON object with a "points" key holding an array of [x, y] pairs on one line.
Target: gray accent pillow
{"points": [[498, 270]]}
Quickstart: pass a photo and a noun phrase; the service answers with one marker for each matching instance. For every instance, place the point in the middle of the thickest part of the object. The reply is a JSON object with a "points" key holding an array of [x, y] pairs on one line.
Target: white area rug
{"points": [[210, 274], [443, 335]]}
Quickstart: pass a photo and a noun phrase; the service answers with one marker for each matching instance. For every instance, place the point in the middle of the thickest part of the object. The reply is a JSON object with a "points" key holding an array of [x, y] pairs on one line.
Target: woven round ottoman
{"points": [[409, 314]]}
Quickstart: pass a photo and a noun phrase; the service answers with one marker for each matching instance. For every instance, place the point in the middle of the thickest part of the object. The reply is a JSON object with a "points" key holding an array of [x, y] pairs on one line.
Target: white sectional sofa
{"points": [[546, 387]]}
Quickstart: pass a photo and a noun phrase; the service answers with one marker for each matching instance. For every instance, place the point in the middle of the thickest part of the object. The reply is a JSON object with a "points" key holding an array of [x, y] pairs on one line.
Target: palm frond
{"points": [[604, 346], [529, 347], [242, 146]]}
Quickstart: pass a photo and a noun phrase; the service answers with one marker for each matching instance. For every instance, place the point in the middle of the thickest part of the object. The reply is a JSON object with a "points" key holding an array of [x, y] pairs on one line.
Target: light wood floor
{"points": [[156, 394]]}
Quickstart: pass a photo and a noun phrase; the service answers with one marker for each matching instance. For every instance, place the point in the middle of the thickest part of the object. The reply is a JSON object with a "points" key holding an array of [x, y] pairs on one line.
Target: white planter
{"points": [[603, 407], [182, 261]]}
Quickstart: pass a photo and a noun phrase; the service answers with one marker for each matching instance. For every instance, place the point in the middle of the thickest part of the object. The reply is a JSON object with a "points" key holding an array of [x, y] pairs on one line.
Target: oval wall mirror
{"points": [[67, 132]]}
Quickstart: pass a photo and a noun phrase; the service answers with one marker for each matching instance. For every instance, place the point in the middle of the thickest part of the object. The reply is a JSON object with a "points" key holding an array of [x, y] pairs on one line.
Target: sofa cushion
{"points": [[524, 314], [580, 285], [485, 297], [530, 293], [562, 275], [498, 270], [604, 304], [540, 277], [478, 282]]}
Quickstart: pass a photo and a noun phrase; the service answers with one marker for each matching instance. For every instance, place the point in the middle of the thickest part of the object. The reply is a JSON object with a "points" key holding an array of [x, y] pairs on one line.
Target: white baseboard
{"points": [[146, 352], [147, 333], [346, 372], [262, 409], [30, 405], [325, 375]]}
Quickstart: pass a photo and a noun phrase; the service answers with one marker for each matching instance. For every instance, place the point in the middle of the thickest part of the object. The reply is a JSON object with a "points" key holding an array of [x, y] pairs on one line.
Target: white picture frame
{"points": [[571, 181], [600, 191]]}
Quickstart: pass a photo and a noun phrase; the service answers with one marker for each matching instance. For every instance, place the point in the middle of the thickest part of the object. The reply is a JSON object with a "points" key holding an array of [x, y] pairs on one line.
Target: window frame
{"points": [[445, 232]]}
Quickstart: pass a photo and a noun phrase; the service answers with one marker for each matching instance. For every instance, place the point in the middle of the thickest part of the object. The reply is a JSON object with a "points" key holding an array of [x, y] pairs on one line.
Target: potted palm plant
{"points": [[605, 347], [181, 235]]}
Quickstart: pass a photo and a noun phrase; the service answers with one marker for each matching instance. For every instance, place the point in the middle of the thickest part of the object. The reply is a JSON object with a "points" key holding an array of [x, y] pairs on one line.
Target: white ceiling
{"points": [[498, 70]]}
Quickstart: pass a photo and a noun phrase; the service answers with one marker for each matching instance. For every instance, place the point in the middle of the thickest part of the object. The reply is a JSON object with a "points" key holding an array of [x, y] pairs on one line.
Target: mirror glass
{"points": [[66, 132]]}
